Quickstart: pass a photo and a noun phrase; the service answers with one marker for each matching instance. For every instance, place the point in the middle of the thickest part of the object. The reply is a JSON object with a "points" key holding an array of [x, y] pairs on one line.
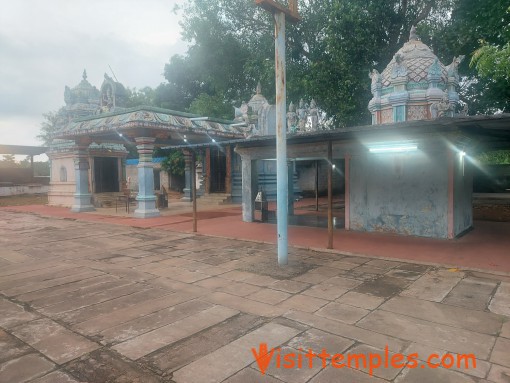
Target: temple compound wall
{"points": [[413, 193]]}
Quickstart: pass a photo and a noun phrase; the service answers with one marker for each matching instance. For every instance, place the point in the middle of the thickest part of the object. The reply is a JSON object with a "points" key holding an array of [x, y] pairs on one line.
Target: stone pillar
{"points": [[228, 174], [122, 171], [82, 196], [146, 198], [290, 175], [347, 176], [187, 177], [249, 188], [207, 170]]}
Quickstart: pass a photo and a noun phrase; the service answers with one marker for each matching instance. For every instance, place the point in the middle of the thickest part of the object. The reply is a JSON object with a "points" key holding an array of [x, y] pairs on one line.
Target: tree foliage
{"points": [[49, 126], [8, 161], [472, 22], [329, 52], [497, 157], [493, 60], [137, 97], [174, 163]]}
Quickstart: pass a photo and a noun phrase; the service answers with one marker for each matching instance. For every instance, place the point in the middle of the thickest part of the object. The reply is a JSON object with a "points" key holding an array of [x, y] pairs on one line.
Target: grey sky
{"points": [[45, 45]]}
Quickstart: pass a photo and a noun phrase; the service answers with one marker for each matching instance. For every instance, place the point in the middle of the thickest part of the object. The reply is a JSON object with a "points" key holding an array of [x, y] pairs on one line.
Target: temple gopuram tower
{"points": [[414, 86]]}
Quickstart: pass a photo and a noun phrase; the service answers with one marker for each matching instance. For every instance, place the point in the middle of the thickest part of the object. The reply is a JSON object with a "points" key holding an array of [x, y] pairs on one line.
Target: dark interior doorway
{"points": [[157, 179], [218, 170], [106, 174]]}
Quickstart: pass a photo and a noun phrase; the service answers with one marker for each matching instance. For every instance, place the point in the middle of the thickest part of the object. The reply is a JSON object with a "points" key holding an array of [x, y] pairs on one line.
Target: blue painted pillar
{"points": [[282, 183], [82, 196], [249, 187], [146, 198], [290, 174], [187, 177]]}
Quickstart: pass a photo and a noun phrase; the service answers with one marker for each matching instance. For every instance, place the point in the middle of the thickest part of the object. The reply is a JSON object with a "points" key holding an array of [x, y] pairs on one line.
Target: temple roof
{"points": [[481, 133], [417, 57], [167, 125], [83, 93]]}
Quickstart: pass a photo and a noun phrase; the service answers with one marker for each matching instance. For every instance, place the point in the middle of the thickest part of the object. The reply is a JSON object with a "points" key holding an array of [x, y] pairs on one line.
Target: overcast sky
{"points": [[45, 45]]}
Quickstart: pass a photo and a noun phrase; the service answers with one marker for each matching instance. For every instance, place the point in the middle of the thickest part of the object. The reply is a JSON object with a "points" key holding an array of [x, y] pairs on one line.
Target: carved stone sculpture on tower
{"points": [[292, 119], [412, 34], [314, 115], [302, 113], [441, 108], [375, 76], [399, 68], [453, 68], [244, 112]]}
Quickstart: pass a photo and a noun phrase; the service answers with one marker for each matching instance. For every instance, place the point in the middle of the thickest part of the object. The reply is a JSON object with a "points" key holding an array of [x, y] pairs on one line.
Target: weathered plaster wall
{"points": [[400, 193], [462, 196], [62, 181], [23, 189]]}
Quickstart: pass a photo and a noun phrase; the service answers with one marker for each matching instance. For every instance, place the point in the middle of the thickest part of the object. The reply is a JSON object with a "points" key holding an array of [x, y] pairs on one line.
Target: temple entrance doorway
{"points": [[106, 175], [218, 170]]}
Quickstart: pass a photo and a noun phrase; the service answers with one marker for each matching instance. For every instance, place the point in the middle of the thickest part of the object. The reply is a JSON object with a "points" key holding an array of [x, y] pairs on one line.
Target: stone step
{"points": [[215, 198], [105, 199]]}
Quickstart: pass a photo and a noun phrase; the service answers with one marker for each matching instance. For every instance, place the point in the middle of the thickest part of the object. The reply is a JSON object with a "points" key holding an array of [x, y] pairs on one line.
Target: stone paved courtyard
{"points": [[91, 302]]}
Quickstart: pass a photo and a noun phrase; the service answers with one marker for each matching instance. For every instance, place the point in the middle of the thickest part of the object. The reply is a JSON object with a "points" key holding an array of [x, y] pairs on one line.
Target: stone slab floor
{"points": [[90, 302]]}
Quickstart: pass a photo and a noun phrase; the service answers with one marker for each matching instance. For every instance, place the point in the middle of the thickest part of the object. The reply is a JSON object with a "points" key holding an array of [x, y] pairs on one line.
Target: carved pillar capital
{"points": [[145, 147]]}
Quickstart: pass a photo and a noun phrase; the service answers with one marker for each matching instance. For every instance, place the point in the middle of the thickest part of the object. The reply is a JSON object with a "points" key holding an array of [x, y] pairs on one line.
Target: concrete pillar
{"points": [[187, 177], [451, 194], [122, 174], [282, 184], [347, 173], [207, 170], [146, 198], [228, 175], [32, 167], [249, 187], [290, 175], [82, 196]]}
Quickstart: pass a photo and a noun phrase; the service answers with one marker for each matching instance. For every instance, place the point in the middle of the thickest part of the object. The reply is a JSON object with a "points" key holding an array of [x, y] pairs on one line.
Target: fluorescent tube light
{"points": [[393, 148]]}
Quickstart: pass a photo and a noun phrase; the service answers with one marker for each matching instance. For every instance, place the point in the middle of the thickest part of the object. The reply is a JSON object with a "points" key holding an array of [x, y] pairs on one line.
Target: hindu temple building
{"points": [[106, 160], [88, 153], [409, 173]]}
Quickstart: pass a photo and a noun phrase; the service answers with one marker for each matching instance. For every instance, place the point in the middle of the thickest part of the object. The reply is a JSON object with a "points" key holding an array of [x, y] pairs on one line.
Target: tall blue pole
{"points": [[282, 185], [281, 13]]}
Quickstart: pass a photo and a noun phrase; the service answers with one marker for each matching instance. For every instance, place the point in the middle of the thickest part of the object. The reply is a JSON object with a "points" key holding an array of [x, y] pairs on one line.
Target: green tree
{"points": [[50, 125], [471, 22], [42, 169], [8, 161], [174, 163], [497, 157], [136, 97], [215, 106], [492, 60], [329, 52]]}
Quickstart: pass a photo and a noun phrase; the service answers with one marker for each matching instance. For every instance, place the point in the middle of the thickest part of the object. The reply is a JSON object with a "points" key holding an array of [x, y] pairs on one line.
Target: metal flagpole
{"points": [[281, 13]]}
